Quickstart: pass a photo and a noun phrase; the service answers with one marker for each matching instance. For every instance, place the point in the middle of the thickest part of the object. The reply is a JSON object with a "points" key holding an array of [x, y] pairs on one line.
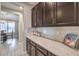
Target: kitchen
{"points": [[48, 28], [54, 29]]}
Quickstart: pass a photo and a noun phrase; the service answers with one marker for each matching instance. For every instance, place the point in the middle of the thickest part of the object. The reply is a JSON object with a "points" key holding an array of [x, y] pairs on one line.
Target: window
{"points": [[7, 26], [11, 27]]}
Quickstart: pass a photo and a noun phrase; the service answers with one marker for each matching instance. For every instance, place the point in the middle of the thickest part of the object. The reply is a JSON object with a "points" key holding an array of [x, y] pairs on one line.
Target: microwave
{"points": [[72, 40]]}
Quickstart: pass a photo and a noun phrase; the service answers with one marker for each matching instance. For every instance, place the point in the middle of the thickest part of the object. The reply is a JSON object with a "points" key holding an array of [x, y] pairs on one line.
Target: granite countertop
{"points": [[56, 48]]}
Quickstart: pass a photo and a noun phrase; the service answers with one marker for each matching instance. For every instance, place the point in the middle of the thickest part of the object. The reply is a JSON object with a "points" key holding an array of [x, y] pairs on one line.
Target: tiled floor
{"points": [[11, 48]]}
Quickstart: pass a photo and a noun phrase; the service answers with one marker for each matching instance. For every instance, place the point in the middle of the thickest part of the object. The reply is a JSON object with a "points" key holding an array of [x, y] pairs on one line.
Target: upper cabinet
{"points": [[65, 13], [78, 13], [34, 23], [44, 14], [39, 14], [47, 14]]}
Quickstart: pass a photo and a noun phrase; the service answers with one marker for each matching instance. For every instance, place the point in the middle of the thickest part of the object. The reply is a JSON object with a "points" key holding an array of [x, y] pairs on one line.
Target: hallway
{"points": [[11, 23]]}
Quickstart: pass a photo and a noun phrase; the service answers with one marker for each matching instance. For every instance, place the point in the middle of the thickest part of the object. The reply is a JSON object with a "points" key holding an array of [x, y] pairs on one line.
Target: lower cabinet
{"points": [[41, 51], [28, 46], [34, 49], [50, 54]]}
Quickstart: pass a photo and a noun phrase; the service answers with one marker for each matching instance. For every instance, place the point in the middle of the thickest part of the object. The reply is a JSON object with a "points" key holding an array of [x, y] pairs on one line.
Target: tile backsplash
{"points": [[56, 33]]}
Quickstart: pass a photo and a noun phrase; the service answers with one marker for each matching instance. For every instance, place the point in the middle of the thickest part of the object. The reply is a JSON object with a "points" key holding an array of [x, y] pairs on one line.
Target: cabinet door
{"points": [[66, 13], [33, 48], [39, 14], [48, 13], [28, 46], [78, 14], [34, 17]]}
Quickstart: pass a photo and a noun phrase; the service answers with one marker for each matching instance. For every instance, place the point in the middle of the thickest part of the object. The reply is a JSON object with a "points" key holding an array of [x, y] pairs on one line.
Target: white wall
{"points": [[0, 17], [27, 22], [27, 17], [21, 32]]}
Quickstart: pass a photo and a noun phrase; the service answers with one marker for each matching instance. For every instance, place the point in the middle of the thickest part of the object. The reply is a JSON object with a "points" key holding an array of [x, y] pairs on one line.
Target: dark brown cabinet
{"points": [[48, 14], [56, 14], [50, 54], [39, 14], [34, 49], [65, 13], [34, 23], [28, 46], [41, 51], [78, 13]]}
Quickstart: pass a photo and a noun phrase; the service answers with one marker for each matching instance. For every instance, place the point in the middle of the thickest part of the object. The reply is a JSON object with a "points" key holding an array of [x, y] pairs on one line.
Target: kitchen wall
{"points": [[27, 22], [27, 17], [56, 33]]}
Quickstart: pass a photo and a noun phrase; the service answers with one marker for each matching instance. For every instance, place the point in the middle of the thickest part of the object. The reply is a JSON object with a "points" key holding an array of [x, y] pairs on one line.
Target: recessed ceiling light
{"points": [[21, 7]]}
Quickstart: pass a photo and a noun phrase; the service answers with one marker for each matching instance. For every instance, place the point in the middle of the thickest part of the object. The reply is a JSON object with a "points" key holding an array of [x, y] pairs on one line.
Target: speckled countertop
{"points": [[56, 48]]}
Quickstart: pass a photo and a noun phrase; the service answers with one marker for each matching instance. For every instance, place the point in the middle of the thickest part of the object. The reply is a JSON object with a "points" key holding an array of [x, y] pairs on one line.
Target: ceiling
{"points": [[15, 5], [31, 3], [7, 5]]}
